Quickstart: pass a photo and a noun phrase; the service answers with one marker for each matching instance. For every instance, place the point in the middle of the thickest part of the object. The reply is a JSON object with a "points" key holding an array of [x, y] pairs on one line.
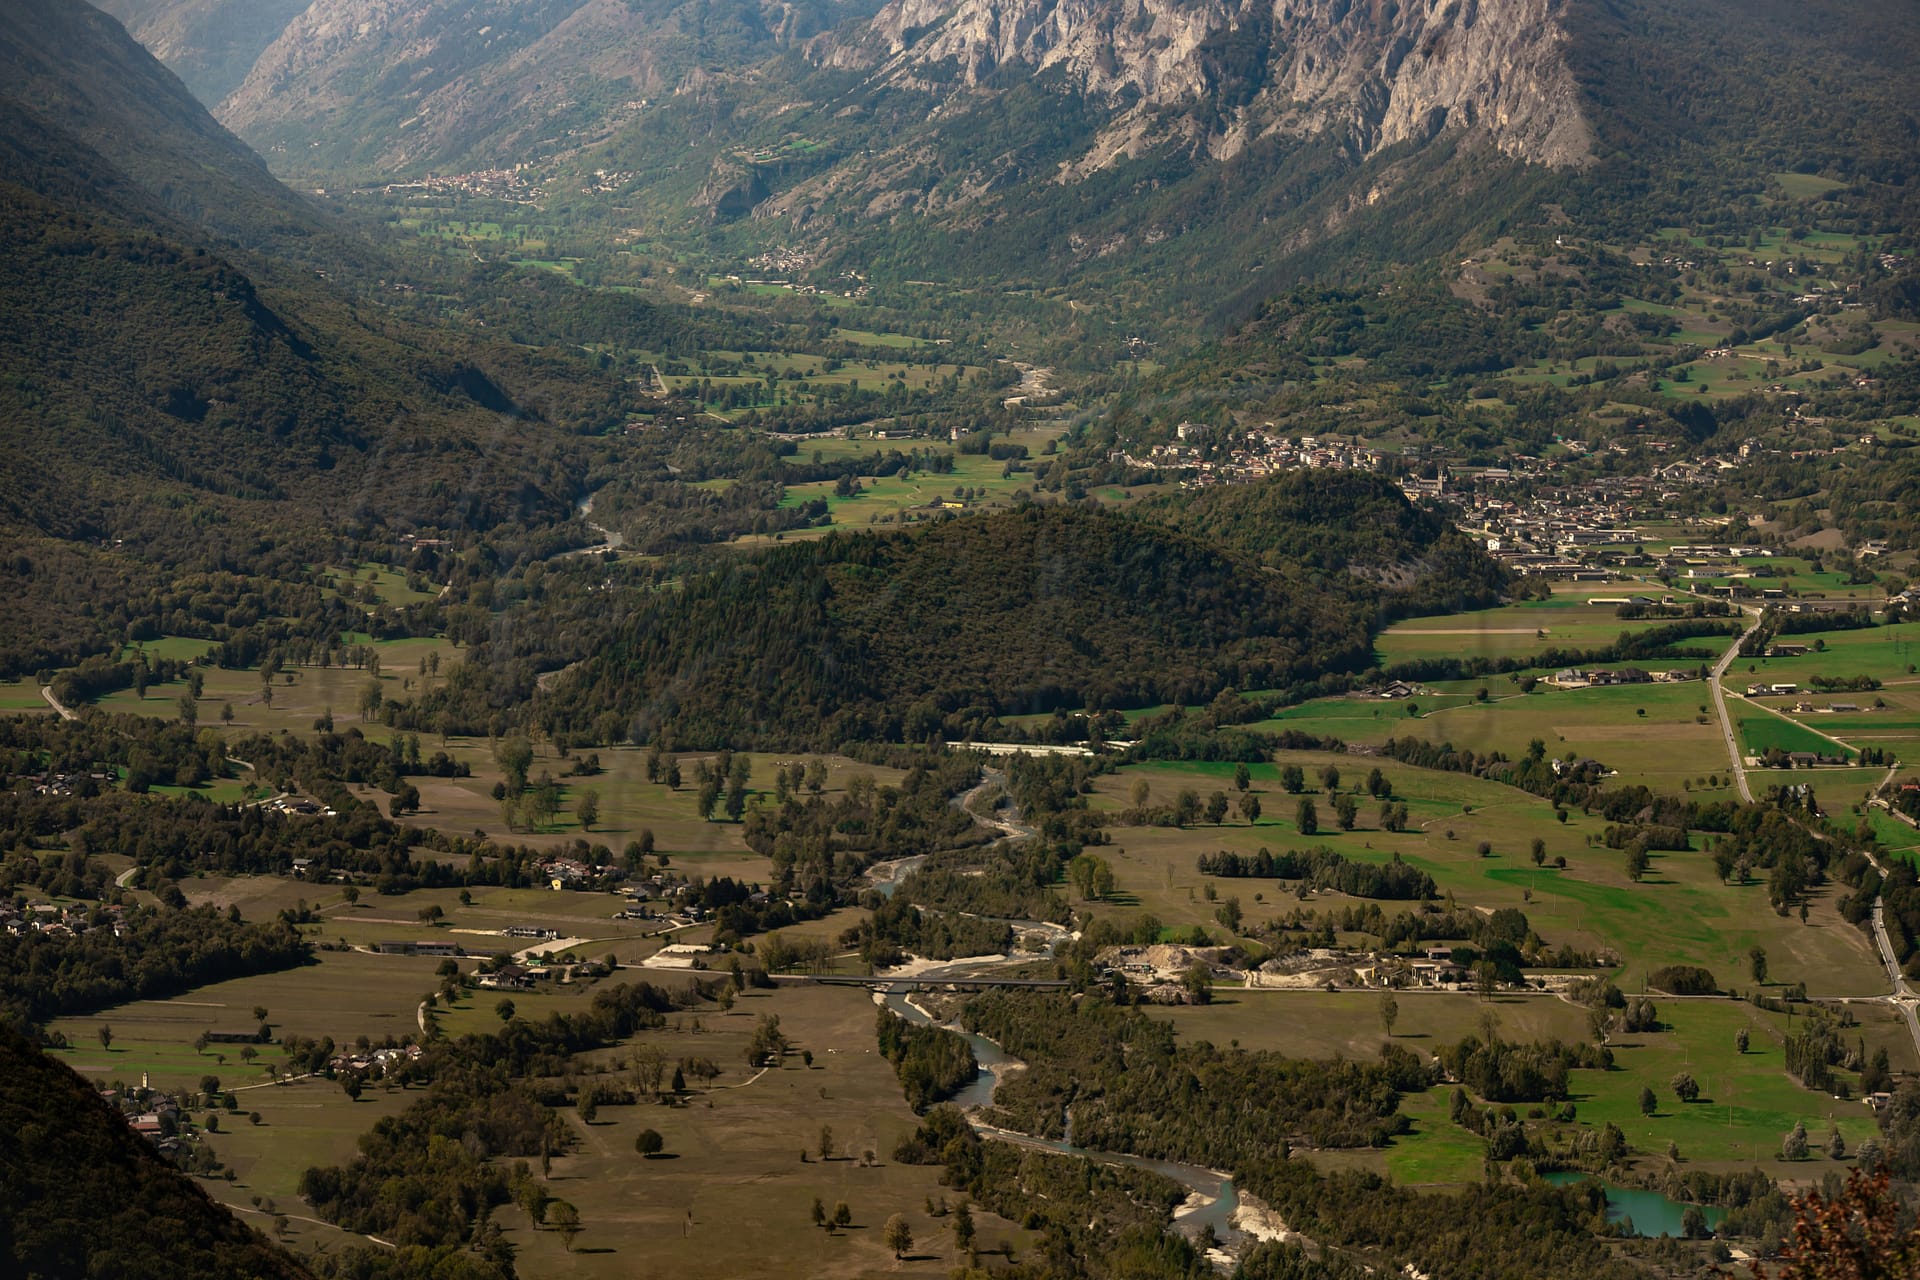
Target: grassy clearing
{"points": [[22, 695], [1747, 1103], [301, 695], [388, 584], [1320, 1024], [178, 648], [1884, 652], [344, 995], [869, 338], [629, 804], [1659, 735], [977, 482]]}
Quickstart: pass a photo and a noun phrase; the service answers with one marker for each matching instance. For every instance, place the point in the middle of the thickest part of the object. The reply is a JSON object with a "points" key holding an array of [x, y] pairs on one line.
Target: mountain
{"points": [[78, 77], [1186, 161], [380, 88], [86, 1196], [210, 44], [198, 376], [1219, 74], [879, 636]]}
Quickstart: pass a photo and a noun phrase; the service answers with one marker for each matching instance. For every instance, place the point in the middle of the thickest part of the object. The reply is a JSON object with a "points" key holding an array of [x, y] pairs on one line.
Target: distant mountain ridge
{"points": [[1186, 158], [389, 87], [209, 44]]}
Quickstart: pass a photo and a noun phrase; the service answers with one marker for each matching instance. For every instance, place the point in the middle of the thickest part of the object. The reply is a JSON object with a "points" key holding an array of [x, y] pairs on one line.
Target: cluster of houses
{"points": [[373, 1062], [399, 947], [569, 873], [1161, 973], [1252, 455], [1778, 759], [511, 977], [156, 1116], [1775, 689], [54, 920], [517, 185], [299, 807], [1395, 690], [1593, 677], [1578, 532], [67, 784]]}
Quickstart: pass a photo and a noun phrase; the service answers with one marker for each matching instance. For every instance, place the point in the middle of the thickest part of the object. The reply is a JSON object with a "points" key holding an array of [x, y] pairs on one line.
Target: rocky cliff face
{"points": [[1378, 71]]}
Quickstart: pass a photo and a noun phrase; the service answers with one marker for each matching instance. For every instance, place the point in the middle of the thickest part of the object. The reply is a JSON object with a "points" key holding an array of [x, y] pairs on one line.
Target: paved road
{"points": [[1734, 751], [1903, 998], [66, 713]]}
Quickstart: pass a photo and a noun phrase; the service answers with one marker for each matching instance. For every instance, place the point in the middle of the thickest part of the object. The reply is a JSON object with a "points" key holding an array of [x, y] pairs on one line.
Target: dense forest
{"points": [[1118, 1081], [1342, 526]]}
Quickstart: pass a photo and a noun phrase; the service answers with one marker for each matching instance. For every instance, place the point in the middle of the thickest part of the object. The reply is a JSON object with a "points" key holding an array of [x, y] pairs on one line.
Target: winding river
{"points": [[1211, 1198], [612, 539]]}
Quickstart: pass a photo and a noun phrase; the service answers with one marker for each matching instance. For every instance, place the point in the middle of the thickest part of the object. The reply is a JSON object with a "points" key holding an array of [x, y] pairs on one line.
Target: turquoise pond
{"points": [[1652, 1213]]}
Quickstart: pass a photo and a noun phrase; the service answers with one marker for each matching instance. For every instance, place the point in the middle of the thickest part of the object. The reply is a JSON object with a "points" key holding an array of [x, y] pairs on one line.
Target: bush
{"points": [[1684, 980]]}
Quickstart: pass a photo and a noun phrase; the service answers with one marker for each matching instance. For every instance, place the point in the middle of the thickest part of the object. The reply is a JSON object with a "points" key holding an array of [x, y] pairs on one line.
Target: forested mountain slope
{"points": [[86, 1196], [180, 386], [867, 636], [77, 74], [210, 44]]}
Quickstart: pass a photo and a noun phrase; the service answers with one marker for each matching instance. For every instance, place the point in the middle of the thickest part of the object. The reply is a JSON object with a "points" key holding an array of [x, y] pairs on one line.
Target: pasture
{"points": [[733, 1159], [1679, 913], [1566, 620]]}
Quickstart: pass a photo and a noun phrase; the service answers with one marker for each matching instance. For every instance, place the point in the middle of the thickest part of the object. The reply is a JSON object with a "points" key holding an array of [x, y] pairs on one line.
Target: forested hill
{"points": [[86, 1196], [1346, 525], [880, 636]]}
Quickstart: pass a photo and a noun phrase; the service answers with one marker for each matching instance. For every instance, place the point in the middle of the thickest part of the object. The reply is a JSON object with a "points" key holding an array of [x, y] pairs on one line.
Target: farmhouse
{"points": [[397, 948], [508, 977]]}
